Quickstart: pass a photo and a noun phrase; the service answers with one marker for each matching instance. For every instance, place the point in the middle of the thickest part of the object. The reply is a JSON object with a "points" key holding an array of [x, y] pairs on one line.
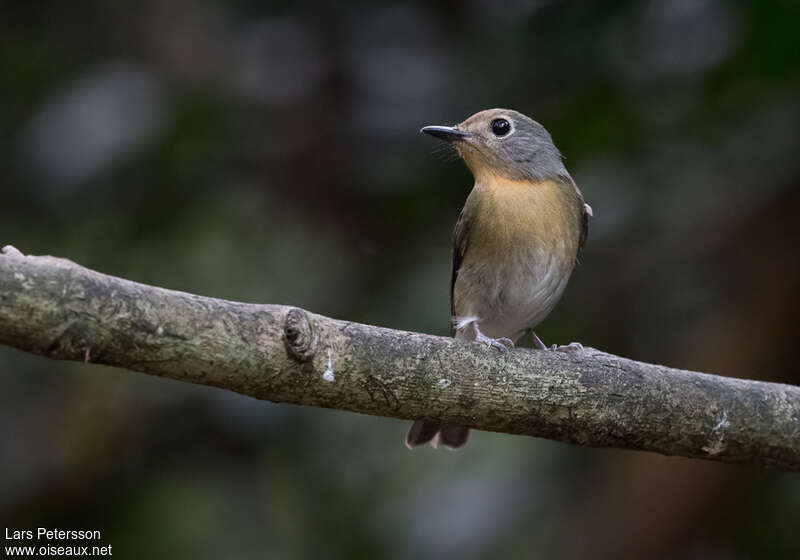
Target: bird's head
{"points": [[505, 143]]}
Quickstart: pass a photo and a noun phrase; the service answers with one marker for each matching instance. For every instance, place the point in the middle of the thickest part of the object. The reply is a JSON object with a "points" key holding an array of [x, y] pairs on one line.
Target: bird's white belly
{"points": [[513, 292]]}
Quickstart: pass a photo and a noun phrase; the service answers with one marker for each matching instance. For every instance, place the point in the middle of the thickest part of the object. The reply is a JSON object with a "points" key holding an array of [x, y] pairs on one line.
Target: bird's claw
{"points": [[501, 343], [571, 347]]}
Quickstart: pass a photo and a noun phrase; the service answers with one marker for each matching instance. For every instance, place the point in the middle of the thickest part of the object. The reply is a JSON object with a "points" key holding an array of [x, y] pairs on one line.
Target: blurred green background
{"points": [[269, 152]]}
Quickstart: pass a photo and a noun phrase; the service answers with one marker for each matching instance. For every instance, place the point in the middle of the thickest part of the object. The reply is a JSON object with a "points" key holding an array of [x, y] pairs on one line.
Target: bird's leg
{"points": [[501, 343], [537, 342], [571, 347]]}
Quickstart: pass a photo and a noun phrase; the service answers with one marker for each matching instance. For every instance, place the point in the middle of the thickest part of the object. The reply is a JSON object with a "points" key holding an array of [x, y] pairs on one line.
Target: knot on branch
{"points": [[11, 251], [300, 334]]}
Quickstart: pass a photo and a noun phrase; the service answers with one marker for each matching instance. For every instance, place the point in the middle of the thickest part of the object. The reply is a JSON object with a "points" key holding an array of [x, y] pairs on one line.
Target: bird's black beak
{"points": [[446, 133]]}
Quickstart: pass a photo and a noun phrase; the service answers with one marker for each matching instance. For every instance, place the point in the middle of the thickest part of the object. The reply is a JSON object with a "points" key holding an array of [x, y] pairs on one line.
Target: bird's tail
{"points": [[449, 435]]}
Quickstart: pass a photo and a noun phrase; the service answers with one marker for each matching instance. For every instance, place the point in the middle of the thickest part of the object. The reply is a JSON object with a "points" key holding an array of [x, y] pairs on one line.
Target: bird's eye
{"points": [[500, 127]]}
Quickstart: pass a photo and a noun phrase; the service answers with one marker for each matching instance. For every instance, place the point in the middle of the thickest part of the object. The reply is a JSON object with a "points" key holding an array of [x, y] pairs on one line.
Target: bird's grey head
{"points": [[504, 142]]}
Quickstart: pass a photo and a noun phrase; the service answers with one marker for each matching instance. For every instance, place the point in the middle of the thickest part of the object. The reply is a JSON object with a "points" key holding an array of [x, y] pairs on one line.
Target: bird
{"points": [[515, 242]]}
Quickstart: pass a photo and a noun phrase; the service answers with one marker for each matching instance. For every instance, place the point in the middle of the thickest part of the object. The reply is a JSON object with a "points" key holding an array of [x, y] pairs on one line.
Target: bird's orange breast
{"points": [[505, 212]]}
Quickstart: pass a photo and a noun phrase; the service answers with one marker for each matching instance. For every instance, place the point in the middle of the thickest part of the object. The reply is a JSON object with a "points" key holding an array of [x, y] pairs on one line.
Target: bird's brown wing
{"points": [[585, 210], [460, 242]]}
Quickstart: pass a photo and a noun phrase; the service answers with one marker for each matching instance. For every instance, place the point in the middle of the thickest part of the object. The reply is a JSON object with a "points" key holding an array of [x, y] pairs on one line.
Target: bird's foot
{"points": [[571, 347], [501, 343]]}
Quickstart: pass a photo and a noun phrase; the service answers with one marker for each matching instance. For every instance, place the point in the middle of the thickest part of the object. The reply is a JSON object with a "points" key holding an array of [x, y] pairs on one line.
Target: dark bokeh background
{"points": [[268, 152]]}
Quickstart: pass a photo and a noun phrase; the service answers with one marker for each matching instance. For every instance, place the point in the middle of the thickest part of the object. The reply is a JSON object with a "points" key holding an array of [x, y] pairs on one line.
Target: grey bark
{"points": [[55, 308]]}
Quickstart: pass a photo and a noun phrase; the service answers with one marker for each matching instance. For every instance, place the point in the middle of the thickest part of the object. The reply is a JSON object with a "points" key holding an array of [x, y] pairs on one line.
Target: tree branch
{"points": [[55, 308]]}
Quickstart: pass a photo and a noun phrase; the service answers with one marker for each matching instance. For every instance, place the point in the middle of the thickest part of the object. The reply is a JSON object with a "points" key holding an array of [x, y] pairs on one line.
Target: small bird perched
{"points": [[515, 243]]}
